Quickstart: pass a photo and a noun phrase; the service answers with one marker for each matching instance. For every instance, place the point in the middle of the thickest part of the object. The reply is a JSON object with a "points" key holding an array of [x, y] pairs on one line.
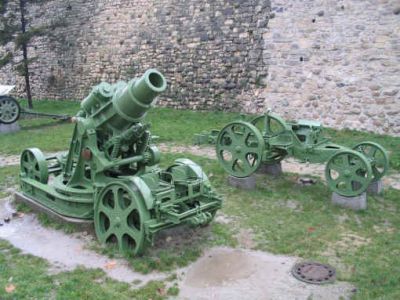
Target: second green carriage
{"points": [[242, 146]]}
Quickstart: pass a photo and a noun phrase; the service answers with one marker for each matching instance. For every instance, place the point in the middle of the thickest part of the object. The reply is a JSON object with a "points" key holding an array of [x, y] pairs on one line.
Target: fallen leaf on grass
{"points": [[10, 288], [310, 229], [111, 265], [161, 291]]}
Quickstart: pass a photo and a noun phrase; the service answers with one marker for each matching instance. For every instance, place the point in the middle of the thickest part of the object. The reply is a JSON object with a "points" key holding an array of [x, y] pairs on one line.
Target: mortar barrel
{"points": [[136, 98]]}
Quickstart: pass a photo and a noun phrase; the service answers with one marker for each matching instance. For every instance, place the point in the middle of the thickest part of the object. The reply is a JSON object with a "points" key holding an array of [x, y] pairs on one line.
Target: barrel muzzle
{"points": [[136, 98]]}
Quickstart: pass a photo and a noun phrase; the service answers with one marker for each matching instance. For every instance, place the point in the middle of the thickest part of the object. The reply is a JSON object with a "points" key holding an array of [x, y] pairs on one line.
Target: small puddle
{"points": [[226, 273], [218, 270]]}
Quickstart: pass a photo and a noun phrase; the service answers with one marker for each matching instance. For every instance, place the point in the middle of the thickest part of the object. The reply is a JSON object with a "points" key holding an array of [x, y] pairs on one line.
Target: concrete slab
{"points": [[9, 128], [245, 183], [355, 203], [270, 169], [375, 188]]}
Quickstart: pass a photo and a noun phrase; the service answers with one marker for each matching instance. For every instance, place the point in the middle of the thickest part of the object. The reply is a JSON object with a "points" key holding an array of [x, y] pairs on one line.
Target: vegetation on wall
{"points": [[16, 28]]}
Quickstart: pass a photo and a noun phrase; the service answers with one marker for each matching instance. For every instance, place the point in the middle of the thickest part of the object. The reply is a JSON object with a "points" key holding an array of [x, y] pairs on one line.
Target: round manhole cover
{"points": [[313, 272]]}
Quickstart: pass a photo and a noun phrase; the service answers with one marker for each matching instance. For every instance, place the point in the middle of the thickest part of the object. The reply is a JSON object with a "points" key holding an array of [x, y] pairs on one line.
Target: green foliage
{"points": [[173, 291], [6, 59], [23, 38], [21, 68]]}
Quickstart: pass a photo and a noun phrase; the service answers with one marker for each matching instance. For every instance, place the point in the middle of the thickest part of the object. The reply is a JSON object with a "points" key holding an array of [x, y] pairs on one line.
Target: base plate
{"points": [[81, 223]]}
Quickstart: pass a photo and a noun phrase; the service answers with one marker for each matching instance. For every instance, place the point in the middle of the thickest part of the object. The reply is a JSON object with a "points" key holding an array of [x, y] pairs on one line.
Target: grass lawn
{"points": [[282, 217]]}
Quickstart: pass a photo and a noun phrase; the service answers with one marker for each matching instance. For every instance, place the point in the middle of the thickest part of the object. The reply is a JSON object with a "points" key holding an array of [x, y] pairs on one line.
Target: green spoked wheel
{"points": [[377, 156], [271, 126], [348, 173], [9, 110], [119, 217], [240, 147], [33, 165]]}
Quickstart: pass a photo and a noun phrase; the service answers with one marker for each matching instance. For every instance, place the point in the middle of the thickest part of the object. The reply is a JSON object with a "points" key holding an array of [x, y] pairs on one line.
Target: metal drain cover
{"points": [[313, 272]]}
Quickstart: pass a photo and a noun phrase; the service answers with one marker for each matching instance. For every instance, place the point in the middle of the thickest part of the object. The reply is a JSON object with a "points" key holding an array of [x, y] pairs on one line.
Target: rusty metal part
{"points": [[314, 272]]}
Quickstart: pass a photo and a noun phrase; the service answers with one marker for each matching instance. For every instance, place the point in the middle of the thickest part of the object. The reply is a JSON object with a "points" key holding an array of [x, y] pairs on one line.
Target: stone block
{"points": [[245, 183], [355, 203], [270, 169], [8, 128], [375, 187]]}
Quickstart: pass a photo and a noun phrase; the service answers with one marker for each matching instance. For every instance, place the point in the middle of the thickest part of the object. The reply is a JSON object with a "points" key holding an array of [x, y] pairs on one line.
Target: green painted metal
{"points": [[111, 175], [9, 110], [240, 147], [243, 145]]}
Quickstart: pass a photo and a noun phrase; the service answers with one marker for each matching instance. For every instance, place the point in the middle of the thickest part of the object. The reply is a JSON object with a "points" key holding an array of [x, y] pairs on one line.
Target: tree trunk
{"points": [[22, 4]]}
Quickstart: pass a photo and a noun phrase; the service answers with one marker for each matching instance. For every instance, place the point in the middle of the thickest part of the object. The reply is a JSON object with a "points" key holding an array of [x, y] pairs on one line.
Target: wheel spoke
{"points": [[117, 195], [360, 179], [108, 211], [230, 148]]}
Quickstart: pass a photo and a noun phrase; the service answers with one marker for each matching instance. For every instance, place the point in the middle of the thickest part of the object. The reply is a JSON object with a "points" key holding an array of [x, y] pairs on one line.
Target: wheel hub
{"points": [[117, 222]]}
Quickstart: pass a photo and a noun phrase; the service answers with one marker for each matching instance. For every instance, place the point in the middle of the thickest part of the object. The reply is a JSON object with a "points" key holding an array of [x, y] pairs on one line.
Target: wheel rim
{"points": [[240, 147], [9, 110], [377, 156], [119, 218], [348, 173], [269, 125], [33, 165]]}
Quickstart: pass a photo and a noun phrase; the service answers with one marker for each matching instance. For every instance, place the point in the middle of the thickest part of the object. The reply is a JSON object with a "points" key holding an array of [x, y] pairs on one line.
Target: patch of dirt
{"points": [[294, 205], [208, 152], [222, 218], [245, 238], [350, 242], [225, 273]]}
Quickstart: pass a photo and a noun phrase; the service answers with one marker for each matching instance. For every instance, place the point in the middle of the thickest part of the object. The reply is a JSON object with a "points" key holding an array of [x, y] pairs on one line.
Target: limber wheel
{"points": [[240, 147], [377, 156], [271, 126], [9, 110], [33, 165], [348, 173], [119, 217]]}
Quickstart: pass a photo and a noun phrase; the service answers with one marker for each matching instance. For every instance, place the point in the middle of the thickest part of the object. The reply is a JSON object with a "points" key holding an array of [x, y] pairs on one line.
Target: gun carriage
{"points": [[10, 110], [242, 146], [111, 175]]}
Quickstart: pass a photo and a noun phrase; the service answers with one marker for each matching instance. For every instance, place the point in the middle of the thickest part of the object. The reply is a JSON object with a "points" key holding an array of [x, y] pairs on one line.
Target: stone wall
{"points": [[209, 51], [333, 61]]}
